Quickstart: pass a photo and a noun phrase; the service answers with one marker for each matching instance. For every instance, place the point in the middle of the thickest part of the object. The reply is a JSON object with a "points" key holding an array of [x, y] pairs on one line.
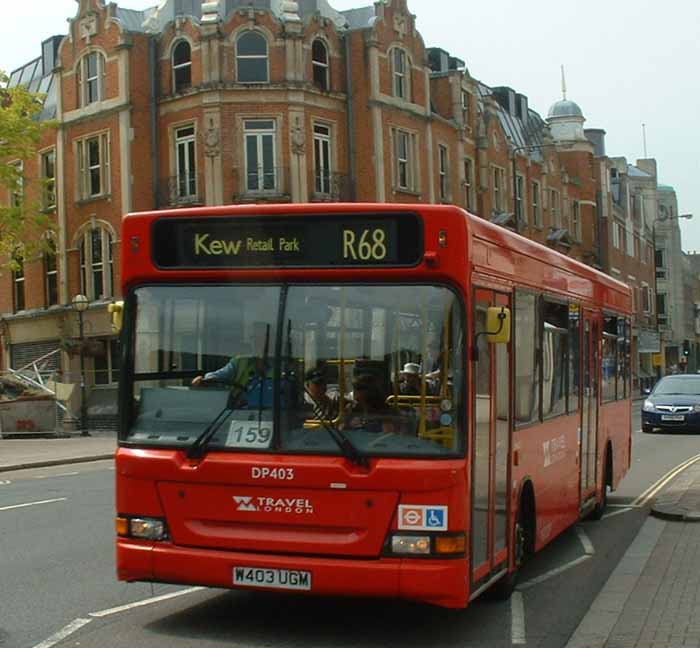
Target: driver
{"points": [[244, 373]]}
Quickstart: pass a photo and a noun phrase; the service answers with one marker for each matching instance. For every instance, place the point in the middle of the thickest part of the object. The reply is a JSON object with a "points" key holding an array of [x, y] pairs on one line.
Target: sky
{"points": [[627, 63]]}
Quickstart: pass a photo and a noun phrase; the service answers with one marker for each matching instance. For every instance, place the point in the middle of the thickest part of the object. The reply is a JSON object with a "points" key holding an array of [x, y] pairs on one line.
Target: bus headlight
{"points": [[413, 544], [142, 527], [434, 544], [648, 406]]}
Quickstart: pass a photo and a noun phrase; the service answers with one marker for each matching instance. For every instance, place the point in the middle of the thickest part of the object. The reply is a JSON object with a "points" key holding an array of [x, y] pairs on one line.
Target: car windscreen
{"points": [[687, 386]]}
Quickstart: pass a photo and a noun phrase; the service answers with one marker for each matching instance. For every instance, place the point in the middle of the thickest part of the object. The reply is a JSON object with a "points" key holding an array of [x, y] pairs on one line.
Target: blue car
{"points": [[673, 404]]}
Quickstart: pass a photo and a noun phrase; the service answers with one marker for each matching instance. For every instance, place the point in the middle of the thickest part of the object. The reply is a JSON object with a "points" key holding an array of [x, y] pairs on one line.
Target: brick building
{"points": [[224, 102]]}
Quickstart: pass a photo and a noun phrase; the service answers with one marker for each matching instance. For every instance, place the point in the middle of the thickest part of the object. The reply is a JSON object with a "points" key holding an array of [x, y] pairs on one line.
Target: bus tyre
{"points": [[503, 589], [601, 505]]}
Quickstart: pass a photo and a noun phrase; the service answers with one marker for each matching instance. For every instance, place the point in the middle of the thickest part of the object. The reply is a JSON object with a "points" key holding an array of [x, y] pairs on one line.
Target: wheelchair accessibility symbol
{"points": [[420, 517], [435, 518]]}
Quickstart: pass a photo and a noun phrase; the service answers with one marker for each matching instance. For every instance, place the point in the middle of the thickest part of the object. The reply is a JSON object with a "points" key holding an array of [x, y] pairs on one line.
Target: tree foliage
{"points": [[21, 221]]}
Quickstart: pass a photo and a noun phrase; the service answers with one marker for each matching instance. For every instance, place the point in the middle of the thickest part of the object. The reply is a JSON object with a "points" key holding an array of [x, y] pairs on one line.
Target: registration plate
{"points": [[287, 579], [672, 417]]}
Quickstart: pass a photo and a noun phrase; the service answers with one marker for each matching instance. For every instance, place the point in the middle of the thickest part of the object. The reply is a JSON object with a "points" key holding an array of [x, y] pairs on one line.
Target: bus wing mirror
{"points": [[116, 309], [498, 324]]}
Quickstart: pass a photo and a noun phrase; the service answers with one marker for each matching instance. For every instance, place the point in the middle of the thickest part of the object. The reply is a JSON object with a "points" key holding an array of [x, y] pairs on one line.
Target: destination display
{"points": [[316, 240]]}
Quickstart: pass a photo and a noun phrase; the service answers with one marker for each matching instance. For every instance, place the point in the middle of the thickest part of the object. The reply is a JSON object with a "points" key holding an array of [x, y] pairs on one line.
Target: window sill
{"points": [[91, 199], [182, 203], [48, 210], [408, 192], [253, 197]]}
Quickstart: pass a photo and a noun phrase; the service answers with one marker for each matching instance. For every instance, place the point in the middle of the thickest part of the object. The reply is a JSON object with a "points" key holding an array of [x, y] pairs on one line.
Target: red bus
{"points": [[360, 399]]}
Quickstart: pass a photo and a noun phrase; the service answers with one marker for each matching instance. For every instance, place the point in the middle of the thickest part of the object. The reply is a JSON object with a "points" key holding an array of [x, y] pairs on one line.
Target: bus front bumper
{"points": [[439, 582]]}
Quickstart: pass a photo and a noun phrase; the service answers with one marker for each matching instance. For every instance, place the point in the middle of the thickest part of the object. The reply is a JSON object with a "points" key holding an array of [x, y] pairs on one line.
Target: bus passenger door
{"points": [[589, 415], [490, 449]]}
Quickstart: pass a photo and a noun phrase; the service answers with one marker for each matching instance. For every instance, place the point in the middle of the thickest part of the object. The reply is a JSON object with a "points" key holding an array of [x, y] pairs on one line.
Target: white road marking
{"points": [[4, 482], [148, 601], [551, 574], [517, 622], [618, 512], [72, 627], [656, 487], [48, 501], [69, 474], [587, 544]]}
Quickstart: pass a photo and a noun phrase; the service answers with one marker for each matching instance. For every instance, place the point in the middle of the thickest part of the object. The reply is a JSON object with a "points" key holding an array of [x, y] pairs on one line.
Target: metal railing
{"points": [[181, 190], [334, 187], [260, 182]]}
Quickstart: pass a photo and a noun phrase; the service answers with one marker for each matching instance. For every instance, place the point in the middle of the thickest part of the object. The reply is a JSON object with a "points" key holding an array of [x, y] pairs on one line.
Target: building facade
{"points": [[676, 289], [627, 202], [196, 104]]}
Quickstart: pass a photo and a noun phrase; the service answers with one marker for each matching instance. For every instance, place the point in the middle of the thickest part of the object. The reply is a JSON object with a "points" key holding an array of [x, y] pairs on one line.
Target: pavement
{"points": [[19, 453], [651, 600]]}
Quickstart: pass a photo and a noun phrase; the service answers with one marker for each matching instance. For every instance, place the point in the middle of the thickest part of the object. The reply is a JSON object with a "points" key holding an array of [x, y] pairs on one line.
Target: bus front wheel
{"points": [[601, 505], [504, 587]]}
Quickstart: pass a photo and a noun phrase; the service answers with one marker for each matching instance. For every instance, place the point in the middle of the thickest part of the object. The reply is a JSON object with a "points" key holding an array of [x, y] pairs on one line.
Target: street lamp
{"points": [[80, 304]]}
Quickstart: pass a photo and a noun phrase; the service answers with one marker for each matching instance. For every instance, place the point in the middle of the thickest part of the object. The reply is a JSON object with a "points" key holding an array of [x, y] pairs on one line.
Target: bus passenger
{"points": [[411, 381], [369, 411], [323, 405]]}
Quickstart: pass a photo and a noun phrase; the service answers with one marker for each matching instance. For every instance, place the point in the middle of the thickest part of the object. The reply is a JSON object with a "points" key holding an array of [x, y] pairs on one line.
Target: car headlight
{"points": [[696, 408], [648, 406]]}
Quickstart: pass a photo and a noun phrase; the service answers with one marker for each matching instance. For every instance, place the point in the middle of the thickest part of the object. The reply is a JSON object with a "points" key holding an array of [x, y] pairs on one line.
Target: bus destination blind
{"points": [[303, 242]]}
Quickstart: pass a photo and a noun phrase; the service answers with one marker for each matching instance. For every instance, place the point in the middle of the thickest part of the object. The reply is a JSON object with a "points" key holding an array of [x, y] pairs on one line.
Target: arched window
{"points": [[91, 73], [319, 59], [251, 58], [182, 66], [96, 263], [401, 74]]}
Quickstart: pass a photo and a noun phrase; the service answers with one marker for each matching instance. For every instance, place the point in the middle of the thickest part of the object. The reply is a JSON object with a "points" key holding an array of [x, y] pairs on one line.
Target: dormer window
{"points": [[252, 58], [91, 72], [400, 74], [182, 66], [319, 58]]}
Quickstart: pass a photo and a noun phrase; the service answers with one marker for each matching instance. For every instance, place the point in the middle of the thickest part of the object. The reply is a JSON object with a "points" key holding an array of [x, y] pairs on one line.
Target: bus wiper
{"points": [[263, 377], [196, 450], [348, 449]]}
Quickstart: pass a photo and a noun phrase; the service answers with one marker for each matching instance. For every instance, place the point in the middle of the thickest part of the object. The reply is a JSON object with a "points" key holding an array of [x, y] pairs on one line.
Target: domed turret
{"points": [[565, 118], [565, 108]]}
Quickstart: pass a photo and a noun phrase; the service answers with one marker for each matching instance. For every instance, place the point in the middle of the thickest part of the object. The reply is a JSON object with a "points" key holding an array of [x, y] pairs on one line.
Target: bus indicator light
{"points": [[451, 544]]}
